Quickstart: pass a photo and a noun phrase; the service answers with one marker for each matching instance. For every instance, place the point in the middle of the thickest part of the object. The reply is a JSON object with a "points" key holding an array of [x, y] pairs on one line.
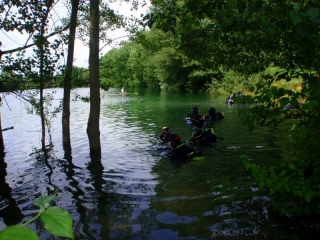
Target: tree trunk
{"points": [[68, 77], [42, 116], [1, 137], [41, 49], [94, 115]]}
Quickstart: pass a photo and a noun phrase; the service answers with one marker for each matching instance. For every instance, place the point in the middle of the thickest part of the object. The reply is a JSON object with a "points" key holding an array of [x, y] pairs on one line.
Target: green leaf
{"points": [[231, 3], [269, 94], [314, 103], [294, 102], [272, 191], [254, 169], [57, 221], [291, 166], [284, 101], [297, 6], [43, 201], [313, 13], [18, 233], [295, 17], [244, 159], [308, 196], [307, 106], [268, 183], [286, 187], [274, 178], [298, 192], [261, 185], [279, 186], [264, 21]]}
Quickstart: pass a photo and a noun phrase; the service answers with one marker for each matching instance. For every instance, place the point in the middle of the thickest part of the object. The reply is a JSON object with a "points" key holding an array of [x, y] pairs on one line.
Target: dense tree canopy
{"points": [[151, 59]]}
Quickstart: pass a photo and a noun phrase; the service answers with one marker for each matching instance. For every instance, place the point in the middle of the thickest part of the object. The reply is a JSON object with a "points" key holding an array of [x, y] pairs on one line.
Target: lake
{"points": [[134, 193]]}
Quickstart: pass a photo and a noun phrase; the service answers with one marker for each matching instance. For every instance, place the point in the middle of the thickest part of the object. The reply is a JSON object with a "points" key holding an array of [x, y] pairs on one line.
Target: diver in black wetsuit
{"points": [[213, 115], [179, 150], [202, 137], [194, 117]]}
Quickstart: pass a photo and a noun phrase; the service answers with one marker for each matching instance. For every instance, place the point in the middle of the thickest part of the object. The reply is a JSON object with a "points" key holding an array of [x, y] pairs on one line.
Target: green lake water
{"points": [[134, 193]]}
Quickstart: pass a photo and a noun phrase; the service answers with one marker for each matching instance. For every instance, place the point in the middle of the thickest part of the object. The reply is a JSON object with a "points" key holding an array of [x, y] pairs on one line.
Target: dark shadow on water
{"points": [[95, 167], [9, 210], [44, 156], [77, 194]]}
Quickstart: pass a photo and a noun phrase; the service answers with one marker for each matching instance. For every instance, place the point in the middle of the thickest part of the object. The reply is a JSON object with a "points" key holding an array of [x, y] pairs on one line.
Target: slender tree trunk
{"points": [[68, 77], [94, 115], [1, 137], [42, 116], [41, 48]]}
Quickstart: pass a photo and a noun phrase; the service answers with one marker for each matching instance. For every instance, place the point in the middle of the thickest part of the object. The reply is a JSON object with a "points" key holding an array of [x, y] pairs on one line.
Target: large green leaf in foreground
{"points": [[57, 221], [18, 233]]}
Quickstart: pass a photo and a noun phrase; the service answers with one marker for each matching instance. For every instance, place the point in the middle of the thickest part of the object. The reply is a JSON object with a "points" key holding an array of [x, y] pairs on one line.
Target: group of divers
{"points": [[203, 134]]}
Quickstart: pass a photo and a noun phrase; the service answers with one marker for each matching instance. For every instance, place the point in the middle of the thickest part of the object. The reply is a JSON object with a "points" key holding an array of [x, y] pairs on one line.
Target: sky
{"points": [[82, 52], [12, 40]]}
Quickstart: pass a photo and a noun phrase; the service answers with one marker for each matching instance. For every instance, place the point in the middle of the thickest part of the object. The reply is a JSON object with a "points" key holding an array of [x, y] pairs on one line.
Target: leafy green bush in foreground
{"points": [[55, 220]]}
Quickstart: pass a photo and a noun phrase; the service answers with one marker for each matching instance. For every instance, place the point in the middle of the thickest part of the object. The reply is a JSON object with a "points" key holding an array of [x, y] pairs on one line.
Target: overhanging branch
{"points": [[31, 45]]}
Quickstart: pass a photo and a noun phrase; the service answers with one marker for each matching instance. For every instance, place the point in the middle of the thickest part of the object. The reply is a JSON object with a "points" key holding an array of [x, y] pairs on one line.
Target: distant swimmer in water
{"points": [[122, 91]]}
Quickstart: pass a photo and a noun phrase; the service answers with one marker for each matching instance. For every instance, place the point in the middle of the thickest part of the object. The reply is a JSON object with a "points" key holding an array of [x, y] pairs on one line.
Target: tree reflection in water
{"points": [[9, 210]]}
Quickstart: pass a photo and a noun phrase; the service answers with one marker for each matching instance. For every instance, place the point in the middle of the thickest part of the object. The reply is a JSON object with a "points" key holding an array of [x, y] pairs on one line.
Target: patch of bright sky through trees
{"points": [[13, 40]]}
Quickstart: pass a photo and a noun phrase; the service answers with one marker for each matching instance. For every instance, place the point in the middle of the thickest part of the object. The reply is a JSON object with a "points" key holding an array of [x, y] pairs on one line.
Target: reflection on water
{"points": [[132, 192]]}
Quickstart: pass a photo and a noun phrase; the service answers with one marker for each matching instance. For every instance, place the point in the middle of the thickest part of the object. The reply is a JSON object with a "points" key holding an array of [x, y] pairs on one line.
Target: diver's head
{"points": [[164, 133], [197, 127], [211, 110], [195, 109]]}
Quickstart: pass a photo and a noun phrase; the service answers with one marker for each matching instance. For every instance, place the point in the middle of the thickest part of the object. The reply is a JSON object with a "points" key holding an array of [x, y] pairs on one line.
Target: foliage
{"points": [[278, 40], [30, 18], [293, 183], [80, 77], [152, 60], [55, 220], [25, 17], [232, 82], [110, 19]]}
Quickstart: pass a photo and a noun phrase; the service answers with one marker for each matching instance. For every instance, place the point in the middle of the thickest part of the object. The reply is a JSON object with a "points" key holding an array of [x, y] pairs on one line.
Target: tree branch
{"points": [[31, 45]]}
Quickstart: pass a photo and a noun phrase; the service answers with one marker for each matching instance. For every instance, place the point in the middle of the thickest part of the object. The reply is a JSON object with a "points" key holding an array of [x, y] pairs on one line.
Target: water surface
{"points": [[134, 193]]}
